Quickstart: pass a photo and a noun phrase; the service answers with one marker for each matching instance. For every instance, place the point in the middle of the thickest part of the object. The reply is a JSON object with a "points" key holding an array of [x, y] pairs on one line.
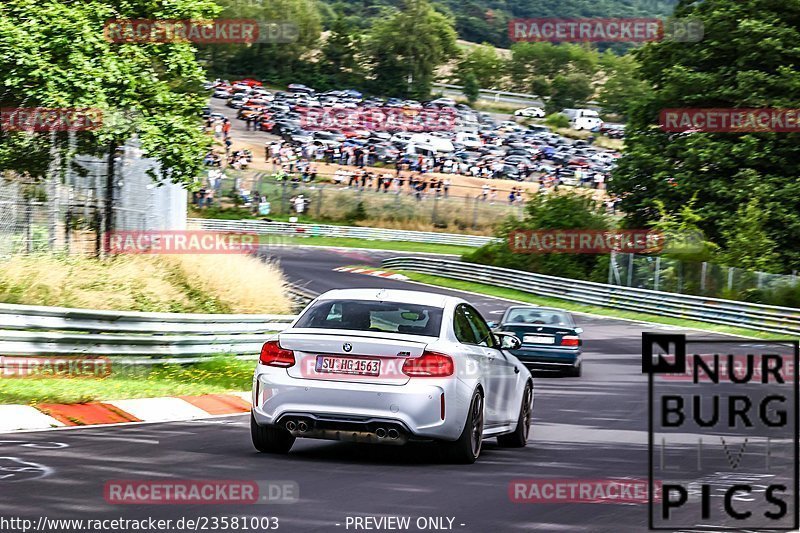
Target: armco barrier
{"points": [[35, 330], [783, 320], [320, 230]]}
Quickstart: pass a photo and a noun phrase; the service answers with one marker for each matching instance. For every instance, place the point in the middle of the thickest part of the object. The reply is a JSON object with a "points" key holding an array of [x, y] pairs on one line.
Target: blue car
{"points": [[550, 338]]}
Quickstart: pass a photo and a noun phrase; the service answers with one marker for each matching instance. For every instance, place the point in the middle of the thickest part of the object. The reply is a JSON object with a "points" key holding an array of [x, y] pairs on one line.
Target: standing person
{"points": [[226, 128], [228, 144], [218, 130], [485, 192], [446, 185], [599, 179]]}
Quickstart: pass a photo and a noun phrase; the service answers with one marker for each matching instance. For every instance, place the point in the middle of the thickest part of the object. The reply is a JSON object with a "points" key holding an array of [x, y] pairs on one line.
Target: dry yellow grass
{"points": [[193, 284], [243, 283]]}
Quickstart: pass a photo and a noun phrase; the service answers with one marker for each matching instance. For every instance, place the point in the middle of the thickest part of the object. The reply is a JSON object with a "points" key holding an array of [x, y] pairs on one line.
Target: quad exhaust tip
{"points": [[302, 426], [394, 434], [381, 433], [290, 425]]}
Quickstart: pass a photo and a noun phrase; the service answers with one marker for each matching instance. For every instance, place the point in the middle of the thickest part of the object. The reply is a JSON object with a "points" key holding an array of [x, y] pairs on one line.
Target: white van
{"points": [[439, 144], [424, 149], [585, 123], [583, 119], [469, 140]]}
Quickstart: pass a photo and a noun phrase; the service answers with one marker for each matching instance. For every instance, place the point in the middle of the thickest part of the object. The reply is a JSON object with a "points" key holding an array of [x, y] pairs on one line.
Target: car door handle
{"points": [[516, 370]]}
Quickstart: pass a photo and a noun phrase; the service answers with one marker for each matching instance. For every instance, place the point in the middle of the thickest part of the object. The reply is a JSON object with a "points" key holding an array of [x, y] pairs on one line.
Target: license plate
{"points": [[538, 339], [348, 365]]}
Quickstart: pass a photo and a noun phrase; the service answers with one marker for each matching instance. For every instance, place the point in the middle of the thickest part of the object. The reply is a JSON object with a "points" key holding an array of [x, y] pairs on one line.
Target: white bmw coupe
{"points": [[390, 366]]}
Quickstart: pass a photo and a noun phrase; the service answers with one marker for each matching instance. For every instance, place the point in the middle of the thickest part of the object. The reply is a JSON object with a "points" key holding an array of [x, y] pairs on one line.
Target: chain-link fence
{"points": [[65, 211], [464, 209], [702, 279]]}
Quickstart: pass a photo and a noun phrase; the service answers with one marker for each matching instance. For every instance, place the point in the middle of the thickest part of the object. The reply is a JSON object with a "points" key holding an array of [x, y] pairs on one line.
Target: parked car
{"points": [[530, 112]]}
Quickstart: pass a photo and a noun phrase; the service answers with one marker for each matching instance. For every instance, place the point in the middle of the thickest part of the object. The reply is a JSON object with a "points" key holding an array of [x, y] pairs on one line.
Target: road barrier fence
{"points": [[784, 320]]}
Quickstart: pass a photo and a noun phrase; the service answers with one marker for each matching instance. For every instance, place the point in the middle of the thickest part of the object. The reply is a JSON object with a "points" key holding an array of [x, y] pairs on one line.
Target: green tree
{"points": [[623, 88], [277, 62], [746, 59], [340, 54], [55, 54], [472, 90], [405, 49], [570, 90], [484, 64], [559, 211], [747, 243]]}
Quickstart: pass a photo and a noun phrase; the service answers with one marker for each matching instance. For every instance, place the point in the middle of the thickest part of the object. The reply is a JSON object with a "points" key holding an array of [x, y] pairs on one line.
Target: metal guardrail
{"points": [[497, 95], [320, 230], [784, 320], [36, 330]]}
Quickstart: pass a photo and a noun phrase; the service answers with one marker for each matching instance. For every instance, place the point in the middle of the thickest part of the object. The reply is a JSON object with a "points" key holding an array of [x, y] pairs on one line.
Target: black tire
{"points": [[468, 446], [269, 439], [519, 438], [575, 371]]}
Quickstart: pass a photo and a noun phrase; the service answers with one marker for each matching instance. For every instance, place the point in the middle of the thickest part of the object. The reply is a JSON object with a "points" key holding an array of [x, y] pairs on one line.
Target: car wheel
{"points": [[268, 439], [519, 438], [468, 446], [576, 371]]}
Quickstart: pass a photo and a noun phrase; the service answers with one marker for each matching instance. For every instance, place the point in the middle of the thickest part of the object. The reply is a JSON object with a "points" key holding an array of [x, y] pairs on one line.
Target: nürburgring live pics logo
{"points": [[723, 432]]}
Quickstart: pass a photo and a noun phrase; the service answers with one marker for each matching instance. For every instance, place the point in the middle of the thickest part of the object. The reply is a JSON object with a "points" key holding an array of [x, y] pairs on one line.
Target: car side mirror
{"points": [[578, 330], [509, 341]]}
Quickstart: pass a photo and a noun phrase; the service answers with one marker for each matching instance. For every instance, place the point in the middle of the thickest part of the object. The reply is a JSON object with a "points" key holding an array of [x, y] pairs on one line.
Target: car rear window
{"points": [[363, 315], [539, 317]]}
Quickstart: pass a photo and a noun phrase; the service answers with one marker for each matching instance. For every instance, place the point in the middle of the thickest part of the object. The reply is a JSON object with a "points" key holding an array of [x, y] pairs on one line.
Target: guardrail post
{"points": [[703, 271], [67, 229], [630, 270], [658, 273], [28, 225]]}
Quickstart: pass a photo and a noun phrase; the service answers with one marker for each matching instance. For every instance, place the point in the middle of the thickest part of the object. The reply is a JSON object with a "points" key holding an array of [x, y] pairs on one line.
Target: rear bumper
{"points": [[334, 409], [549, 358]]}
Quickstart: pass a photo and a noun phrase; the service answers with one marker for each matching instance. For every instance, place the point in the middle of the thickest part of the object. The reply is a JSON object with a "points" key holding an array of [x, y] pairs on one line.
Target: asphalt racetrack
{"points": [[588, 428]]}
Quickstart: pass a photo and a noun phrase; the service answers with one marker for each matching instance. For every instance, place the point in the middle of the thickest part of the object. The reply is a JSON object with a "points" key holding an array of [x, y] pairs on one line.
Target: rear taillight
{"points": [[429, 364], [570, 340], [273, 355]]}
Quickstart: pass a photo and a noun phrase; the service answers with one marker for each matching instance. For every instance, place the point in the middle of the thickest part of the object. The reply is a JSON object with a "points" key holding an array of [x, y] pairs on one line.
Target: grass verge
{"points": [[512, 294], [399, 246], [218, 375], [180, 283]]}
